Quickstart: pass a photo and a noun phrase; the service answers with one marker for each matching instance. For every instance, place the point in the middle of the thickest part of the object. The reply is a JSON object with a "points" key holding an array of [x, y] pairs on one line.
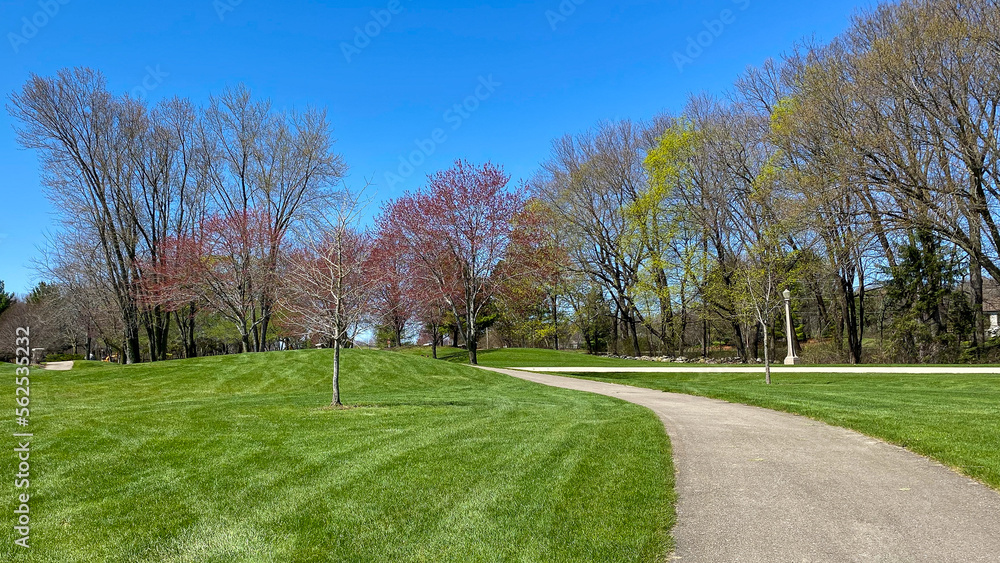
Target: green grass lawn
{"points": [[525, 358], [235, 459], [952, 418], [533, 357]]}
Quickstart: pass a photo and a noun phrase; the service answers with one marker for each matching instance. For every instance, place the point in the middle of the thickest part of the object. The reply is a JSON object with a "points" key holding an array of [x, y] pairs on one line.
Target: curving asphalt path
{"points": [[778, 369], [756, 485]]}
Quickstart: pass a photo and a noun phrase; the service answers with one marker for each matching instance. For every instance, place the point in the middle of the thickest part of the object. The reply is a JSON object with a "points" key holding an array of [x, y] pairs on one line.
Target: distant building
{"points": [[991, 307]]}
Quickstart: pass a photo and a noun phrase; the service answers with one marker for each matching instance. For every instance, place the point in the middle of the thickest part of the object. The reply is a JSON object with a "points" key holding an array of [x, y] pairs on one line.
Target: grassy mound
{"points": [[236, 459]]}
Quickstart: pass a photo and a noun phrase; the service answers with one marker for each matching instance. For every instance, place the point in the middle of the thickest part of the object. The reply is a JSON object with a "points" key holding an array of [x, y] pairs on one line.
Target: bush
{"points": [[987, 353], [821, 352]]}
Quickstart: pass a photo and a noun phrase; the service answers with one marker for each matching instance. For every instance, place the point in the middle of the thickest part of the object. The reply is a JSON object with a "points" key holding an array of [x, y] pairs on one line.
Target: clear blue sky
{"points": [[555, 70]]}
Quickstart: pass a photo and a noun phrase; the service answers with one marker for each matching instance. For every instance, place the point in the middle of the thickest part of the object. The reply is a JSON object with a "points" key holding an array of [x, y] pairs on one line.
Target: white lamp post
{"points": [[791, 359]]}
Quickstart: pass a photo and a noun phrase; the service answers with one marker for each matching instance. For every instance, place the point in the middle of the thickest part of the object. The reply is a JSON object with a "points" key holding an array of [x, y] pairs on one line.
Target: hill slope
{"points": [[235, 459], [525, 357]]}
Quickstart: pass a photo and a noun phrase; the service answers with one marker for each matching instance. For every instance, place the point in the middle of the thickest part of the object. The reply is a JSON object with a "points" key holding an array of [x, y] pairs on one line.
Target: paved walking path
{"points": [[59, 366], [761, 486], [778, 369]]}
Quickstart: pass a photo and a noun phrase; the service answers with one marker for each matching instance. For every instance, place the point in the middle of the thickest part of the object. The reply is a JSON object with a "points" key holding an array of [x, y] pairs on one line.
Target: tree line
{"points": [[139, 188], [860, 174]]}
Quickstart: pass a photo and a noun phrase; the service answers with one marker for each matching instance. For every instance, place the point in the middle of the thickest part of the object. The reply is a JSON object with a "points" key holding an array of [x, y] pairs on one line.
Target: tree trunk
{"points": [[767, 356], [151, 340], [190, 344], [555, 321], [741, 345], [256, 332], [472, 339], [861, 316], [632, 326], [336, 373], [265, 323], [434, 341], [975, 264], [666, 309], [704, 337], [976, 284], [162, 332], [132, 353], [851, 321], [473, 353], [614, 335], [681, 344]]}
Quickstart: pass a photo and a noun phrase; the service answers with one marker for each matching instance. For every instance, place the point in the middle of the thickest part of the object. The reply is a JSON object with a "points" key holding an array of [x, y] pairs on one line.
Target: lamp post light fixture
{"points": [[791, 359]]}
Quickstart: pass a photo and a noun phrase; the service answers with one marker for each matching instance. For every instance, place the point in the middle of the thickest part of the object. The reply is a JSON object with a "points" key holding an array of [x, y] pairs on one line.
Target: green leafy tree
{"points": [[667, 233]]}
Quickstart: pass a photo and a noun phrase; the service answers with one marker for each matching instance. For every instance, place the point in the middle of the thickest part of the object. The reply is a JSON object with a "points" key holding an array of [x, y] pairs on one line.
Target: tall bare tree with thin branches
{"points": [[329, 283]]}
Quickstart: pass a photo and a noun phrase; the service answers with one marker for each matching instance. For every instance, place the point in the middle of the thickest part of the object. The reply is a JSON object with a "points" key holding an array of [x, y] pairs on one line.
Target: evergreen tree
{"points": [[41, 293], [6, 299], [931, 314]]}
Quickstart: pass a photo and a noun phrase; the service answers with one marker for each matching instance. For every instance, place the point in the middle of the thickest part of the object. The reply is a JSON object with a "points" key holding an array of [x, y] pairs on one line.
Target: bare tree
{"points": [[279, 167], [588, 182], [76, 126], [120, 175], [329, 282], [908, 97], [762, 276]]}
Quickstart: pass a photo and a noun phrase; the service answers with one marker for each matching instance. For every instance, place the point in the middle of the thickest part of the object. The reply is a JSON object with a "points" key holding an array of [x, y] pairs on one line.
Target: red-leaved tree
{"points": [[392, 276], [535, 273], [225, 265], [457, 232]]}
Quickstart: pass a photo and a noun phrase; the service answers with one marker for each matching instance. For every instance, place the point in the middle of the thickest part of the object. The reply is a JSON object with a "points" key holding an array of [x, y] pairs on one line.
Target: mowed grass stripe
{"points": [[235, 459]]}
